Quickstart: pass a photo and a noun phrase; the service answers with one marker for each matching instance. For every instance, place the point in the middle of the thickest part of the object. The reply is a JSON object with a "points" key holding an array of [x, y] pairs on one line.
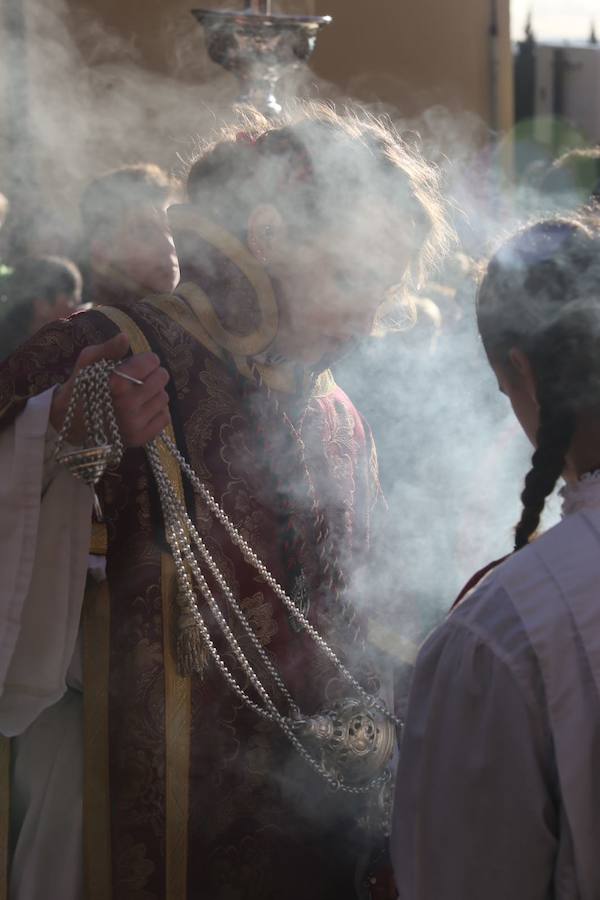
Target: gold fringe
{"points": [[191, 650]]}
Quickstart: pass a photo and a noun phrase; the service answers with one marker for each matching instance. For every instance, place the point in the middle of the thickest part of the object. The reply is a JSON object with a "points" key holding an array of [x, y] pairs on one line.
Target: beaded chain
{"points": [[92, 391]]}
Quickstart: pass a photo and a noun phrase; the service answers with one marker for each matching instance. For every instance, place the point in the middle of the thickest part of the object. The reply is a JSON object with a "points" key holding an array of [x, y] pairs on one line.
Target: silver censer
{"points": [[354, 742], [259, 48]]}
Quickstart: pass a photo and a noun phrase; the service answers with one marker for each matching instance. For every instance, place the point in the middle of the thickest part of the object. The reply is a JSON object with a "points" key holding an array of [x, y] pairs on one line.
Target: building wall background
{"points": [[577, 97], [410, 53], [91, 84], [415, 53]]}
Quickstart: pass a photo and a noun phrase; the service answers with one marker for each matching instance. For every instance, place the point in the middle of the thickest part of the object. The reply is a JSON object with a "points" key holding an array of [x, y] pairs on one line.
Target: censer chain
{"points": [[181, 525], [92, 391], [178, 522], [257, 563]]}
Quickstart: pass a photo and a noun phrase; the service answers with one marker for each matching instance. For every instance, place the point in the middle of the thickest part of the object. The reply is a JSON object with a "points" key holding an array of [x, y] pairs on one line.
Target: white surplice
{"points": [[498, 791], [45, 526]]}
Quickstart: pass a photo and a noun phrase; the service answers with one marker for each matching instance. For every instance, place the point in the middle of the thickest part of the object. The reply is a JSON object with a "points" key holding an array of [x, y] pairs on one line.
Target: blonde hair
{"points": [[312, 162]]}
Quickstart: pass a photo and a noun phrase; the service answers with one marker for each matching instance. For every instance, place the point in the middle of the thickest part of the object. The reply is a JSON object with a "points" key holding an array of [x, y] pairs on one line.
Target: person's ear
{"points": [[266, 230], [523, 370]]}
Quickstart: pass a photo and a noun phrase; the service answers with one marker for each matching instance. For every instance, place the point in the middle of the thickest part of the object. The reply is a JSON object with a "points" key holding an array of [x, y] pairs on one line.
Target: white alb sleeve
{"points": [[45, 527]]}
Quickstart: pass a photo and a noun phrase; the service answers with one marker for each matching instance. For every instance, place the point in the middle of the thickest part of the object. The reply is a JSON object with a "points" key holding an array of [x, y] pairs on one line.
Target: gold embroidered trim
{"points": [[173, 307], [283, 379], [324, 384], [187, 219], [96, 785], [189, 315]]}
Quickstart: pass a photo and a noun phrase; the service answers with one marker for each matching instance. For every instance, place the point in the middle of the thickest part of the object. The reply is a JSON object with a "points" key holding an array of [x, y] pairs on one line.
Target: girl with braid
{"points": [[498, 794]]}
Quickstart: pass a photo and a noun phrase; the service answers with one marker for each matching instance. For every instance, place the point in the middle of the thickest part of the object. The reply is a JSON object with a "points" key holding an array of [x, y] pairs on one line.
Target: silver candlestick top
{"points": [[259, 47], [258, 6]]}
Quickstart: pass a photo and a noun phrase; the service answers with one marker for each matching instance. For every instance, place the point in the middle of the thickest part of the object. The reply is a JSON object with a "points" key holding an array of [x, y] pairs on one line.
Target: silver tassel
{"points": [[192, 653]]}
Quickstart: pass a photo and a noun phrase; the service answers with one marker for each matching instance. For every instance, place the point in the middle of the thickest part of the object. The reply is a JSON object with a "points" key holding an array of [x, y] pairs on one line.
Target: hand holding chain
{"points": [[102, 444], [354, 740]]}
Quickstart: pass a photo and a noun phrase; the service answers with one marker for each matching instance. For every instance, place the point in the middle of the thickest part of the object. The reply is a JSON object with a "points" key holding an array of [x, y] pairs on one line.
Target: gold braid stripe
{"points": [[99, 539], [97, 863], [177, 688], [186, 220], [4, 814]]}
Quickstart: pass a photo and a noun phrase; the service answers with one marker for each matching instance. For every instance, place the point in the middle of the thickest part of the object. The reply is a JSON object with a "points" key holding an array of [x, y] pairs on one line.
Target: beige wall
{"points": [[413, 53]]}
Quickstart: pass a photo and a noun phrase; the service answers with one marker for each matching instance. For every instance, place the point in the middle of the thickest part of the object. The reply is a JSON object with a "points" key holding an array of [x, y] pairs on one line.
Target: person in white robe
{"points": [[45, 527], [45, 530], [498, 794]]}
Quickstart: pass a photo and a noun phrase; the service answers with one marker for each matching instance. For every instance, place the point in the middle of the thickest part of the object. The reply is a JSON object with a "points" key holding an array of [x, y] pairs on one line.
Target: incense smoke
{"points": [[452, 458]]}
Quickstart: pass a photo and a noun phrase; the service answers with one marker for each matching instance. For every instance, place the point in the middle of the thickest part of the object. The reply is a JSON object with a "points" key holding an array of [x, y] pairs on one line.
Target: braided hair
{"points": [[541, 295]]}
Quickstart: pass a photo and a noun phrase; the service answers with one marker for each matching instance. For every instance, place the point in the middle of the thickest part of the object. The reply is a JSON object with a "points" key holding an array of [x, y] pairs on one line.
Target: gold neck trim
{"points": [[186, 220], [191, 307], [184, 309]]}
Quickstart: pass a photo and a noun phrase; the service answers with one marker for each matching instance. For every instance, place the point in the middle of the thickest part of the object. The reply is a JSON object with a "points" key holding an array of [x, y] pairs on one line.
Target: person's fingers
{"points": [[142, 409], [155, 383], [114, 349], [151, 430], [158, 401], [140, 366], [134, 422], [130, 399]]}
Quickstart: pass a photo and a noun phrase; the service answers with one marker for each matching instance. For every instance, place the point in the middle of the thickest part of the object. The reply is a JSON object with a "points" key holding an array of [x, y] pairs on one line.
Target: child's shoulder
{"points": [[535, 584]]}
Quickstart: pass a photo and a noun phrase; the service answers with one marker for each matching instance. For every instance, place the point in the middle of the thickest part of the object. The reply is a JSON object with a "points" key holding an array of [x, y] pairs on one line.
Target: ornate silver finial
{"points": [[259, 47]]}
